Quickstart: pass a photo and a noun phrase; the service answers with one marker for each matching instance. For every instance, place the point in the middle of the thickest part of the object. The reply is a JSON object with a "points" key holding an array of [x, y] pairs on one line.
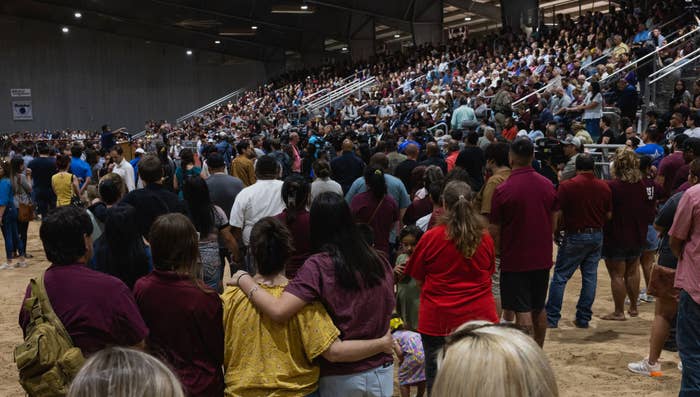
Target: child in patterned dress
{"points": [[409, 349]]}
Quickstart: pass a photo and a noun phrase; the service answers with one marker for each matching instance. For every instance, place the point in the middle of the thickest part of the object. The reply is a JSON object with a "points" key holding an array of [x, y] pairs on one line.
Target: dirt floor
{"points": [[591, 362]]}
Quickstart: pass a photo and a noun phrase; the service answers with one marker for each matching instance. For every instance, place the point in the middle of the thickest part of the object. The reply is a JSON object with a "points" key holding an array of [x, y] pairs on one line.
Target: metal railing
{"points": [[678, 67], [603, 155], [210, 105], [339, 94]]}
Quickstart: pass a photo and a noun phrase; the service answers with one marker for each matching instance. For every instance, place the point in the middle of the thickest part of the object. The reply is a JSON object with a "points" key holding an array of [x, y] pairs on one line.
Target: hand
{"points": [[388, 343], [236, 276], [400, 269], [111, 167], [28, 172]]}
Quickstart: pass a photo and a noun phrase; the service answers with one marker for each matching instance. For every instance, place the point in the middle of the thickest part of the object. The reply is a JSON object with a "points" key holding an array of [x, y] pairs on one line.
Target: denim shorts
{"points": [[652, 239], [621, 254]]}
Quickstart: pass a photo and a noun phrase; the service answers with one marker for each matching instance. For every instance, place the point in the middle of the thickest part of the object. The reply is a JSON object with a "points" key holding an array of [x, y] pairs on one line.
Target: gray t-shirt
{"points": [[223, 190], [665, 219], [324, 185]]}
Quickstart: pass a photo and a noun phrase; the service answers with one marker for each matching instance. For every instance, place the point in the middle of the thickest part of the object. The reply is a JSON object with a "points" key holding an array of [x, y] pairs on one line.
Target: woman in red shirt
{"points": [[453, 262], [510, 131]]}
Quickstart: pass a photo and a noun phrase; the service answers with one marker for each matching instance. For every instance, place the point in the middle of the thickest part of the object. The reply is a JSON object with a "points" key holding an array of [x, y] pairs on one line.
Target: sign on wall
{"points": [[20, 92], [22, 110]]}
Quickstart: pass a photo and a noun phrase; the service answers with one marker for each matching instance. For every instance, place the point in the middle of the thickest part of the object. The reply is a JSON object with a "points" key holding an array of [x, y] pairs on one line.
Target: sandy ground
{"points": [[590, 362]]}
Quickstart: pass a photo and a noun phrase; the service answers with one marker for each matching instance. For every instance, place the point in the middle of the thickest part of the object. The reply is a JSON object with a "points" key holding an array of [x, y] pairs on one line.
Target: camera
{"points": [[550, 150]]}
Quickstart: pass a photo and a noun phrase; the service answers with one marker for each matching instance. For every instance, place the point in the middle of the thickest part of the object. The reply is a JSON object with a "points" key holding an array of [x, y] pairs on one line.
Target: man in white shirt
{"points": [[122, 167], [261, 199], [693, 124], [349, 112], [385, 111]]}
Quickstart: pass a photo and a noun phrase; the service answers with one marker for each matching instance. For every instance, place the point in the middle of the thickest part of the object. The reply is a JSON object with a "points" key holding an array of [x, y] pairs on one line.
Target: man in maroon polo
{"points": [[523, 212]]}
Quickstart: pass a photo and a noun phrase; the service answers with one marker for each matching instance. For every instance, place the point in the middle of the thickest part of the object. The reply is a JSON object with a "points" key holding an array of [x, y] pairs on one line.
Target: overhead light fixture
{"points": [[77, 15], [396, 36], [467, 18], [217, 41], [65, 29], [238, 31], [291, 9], [344, 48], [254, 27], [188, 52]]}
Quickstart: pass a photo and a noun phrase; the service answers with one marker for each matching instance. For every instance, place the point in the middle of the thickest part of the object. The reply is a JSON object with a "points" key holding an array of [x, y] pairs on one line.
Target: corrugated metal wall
{"points": [[84, 79]]}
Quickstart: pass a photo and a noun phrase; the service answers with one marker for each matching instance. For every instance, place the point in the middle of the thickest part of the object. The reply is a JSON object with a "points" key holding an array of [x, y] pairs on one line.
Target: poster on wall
{"points": [[20, 92], [22, 110]]}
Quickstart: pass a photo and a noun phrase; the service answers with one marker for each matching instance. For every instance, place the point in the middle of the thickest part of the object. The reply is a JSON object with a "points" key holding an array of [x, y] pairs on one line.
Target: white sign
{"points": [[22, 110], [20, 92]]}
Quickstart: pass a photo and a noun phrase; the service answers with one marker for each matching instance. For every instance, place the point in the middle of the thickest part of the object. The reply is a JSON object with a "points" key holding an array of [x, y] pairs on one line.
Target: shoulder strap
{"points": [[371, 218], [44, 309]]}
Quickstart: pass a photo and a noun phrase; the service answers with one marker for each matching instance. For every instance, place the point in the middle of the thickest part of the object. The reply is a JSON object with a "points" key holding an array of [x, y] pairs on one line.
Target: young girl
{"points": [[408, 346], [407, 291]]}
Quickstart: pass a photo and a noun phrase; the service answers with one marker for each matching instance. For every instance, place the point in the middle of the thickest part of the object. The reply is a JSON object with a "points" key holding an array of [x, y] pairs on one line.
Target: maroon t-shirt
{"points": [[301, 233], [363, 205], [631, 208], [668, 168], [362, 314], [187, 329], [418, 209], [584, 200], [523, 207], [96, 309], [680, 179]]}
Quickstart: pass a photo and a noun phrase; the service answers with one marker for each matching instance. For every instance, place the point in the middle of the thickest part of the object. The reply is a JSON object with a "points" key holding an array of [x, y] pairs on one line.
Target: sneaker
{"points": [[643, 297], [580, 324], [644, 368], [5, 266]]}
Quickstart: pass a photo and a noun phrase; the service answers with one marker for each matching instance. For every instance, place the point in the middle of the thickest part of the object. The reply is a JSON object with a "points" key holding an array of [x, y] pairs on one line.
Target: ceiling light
{"points": [[291, 9], [65, 29], [217, 41], [254, 27], [78, 15], [188, 52], [396, 36], [304, 7], [345, 48], [467, 18]]}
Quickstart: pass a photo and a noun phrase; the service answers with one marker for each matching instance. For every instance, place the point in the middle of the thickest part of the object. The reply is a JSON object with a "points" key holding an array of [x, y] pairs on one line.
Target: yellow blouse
{"points": [[62, 184], [265, 358]]}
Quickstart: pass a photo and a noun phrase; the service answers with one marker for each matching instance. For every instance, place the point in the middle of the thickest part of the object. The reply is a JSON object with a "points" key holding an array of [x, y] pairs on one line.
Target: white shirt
{"points": [[261, 199], [693, 133], [596, 112], [423, 222], [126, 171]]}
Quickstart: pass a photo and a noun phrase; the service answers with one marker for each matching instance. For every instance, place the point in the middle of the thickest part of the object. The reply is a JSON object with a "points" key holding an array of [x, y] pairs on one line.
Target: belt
{"points": [[587, 230]]}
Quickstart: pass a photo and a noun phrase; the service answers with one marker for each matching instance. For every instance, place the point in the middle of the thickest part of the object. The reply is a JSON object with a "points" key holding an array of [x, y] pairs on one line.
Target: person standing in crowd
{"points": [[434, 157], [407, 290], [572, 148], [376, 208], [472, 160], [138, 153], [121, 251], [453, 263], [184, 316], [347, 167], [295, 194], [212, 226], [405, 168], [409, 350], [122, 167], [592, 109], [585, 206], [154, 199], [666, 296], [22, 189], [525, 242], [463, 116], [323, 182], [295, 155], [252, 339], [355, 284], [186, 169], [80, 168], [261, 199], [669, 165], [9, 218], [625, 234], [651, 137], [242, 166], [64, 183], [43, 168], [501, 105], [97, 310]]}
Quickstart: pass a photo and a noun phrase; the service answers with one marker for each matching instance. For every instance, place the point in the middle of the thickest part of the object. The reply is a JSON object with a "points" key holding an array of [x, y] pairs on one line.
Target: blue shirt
{"points": [[6, 196], [135, 165], [652, 149], [80, 169]]}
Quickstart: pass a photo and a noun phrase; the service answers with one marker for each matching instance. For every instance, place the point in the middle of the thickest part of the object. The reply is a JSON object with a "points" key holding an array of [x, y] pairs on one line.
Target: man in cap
{"points": [[572, 148]]}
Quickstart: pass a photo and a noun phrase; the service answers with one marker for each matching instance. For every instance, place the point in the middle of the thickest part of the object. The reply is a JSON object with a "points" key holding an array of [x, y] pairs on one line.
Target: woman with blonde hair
{"points": [[121, 372], [625, 234], [486, 359], [453, 263]]}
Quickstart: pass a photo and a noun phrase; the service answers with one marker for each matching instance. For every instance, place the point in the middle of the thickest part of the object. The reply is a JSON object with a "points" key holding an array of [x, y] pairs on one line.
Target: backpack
{"points": [[47, 360]]}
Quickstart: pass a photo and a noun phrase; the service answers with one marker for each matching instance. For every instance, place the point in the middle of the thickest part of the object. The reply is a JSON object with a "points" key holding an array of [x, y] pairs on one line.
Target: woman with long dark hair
{"points": [[295, 194], [355, 284], [121, 251], [376, 208], [8, 218], [186, 169], [212, 224], [592, 108], [184, 317], [453, 263], [22, 189]]}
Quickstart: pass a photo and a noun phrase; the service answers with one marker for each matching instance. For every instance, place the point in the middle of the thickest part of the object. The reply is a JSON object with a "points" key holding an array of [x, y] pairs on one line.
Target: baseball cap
{"points": [[571, 140], [141, 151]]}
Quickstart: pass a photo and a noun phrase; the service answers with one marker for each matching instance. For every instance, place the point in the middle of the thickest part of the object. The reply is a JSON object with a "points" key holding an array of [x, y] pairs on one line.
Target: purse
{"points": [[661, 283], [25, 212]]}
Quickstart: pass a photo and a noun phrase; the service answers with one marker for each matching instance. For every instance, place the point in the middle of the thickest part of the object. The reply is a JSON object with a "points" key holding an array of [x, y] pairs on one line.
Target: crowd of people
{"points": [[414, 223]]}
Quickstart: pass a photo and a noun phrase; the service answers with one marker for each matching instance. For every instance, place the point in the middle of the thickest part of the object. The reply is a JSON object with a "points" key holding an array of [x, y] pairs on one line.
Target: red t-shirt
{"points": [[301, 233], [363, 206], [510, 133], [585, 200], [668, 167], [523, 207], [455, 289]]}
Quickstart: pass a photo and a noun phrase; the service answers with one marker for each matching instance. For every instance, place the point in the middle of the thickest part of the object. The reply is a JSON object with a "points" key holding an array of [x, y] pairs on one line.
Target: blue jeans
{"points": [[593, 128], [688, 340], [376, 382], [576, 251], [10, 232]]}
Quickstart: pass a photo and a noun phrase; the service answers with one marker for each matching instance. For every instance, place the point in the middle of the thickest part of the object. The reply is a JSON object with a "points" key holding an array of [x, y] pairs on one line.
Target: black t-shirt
{"points": [[107, 140], [665, 220], [43, 168], [472, 160], [403, 171], [607, 133]]}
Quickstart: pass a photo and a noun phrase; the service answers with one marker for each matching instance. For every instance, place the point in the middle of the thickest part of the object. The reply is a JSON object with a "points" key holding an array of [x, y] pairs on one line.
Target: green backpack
{"points": [[47, 360]]}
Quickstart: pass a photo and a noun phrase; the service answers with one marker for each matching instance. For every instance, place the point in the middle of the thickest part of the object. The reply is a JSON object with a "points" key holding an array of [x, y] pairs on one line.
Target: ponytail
{"points": [[464, 226], [374, 179], [295, 194]]}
